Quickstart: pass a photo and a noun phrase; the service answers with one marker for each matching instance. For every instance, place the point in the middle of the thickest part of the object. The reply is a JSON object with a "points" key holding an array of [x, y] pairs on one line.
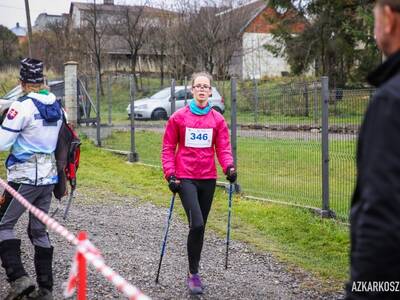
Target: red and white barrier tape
{"points": [[91, 253]]}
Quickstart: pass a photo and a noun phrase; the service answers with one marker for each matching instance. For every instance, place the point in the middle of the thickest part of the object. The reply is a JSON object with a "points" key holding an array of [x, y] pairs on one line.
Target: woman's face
{"points": [[201, 89]]}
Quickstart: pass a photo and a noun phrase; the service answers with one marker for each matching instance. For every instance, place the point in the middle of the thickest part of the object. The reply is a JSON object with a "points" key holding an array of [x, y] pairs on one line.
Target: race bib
{"points": [[198, 137]]}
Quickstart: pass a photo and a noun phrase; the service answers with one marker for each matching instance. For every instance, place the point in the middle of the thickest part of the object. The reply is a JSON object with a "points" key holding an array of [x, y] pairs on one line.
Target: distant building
{"points": [[44, 20], [252, 59], [116, 46], [20, 32]]}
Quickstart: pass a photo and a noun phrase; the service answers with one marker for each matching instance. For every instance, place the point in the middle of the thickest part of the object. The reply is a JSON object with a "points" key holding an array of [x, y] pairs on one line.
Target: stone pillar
{"points": [[71, 91]]}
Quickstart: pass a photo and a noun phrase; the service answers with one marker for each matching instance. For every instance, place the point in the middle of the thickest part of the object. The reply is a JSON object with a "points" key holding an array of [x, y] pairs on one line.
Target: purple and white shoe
{"points": [[194, 284]]}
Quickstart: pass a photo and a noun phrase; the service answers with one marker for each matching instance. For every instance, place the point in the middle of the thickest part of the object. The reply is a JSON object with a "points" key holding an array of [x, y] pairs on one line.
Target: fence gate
{"points": [[85, 104]]}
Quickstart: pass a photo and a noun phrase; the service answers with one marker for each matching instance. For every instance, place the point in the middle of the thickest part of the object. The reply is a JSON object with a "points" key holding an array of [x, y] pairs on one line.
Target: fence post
{"points": [[88, 105], [172, 96], [234, 126], [305, 94], [326, 212], [109, 100], [315, 103], [133, 155], [255, 100], [98, 120], [71, 91]]}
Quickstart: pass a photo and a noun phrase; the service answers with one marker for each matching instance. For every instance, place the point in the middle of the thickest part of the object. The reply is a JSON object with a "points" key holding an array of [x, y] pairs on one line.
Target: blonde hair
{"points": [[32, 87], [202, 73]]}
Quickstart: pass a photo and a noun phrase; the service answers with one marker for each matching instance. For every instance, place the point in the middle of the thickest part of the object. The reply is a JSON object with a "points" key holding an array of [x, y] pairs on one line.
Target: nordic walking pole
{"points": [[228, 231], [171, 207], [71, 196]]}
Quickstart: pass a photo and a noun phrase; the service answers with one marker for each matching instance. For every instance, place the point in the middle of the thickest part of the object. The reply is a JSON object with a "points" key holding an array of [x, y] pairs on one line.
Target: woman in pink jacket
{"points": [[192, 136]]}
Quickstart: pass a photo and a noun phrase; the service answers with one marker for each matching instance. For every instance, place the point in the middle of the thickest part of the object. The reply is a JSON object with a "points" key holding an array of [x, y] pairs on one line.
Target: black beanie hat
{"points": [[31, 71]]}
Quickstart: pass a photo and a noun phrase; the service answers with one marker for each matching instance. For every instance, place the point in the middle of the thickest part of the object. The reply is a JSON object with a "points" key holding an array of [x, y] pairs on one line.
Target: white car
{"points": [[158, 106]]}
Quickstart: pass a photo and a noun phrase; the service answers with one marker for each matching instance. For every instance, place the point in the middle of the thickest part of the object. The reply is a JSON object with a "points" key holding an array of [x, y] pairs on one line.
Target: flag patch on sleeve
{"points": [[12, 113]]}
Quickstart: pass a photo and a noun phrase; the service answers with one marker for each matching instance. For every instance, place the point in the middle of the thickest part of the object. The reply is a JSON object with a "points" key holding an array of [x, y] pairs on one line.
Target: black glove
{"points": [[231, 174], [174, 184]]}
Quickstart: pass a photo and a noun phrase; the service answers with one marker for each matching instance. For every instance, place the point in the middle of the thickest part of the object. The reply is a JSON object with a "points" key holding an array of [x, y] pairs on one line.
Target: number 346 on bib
{"points": [[198, 137]]}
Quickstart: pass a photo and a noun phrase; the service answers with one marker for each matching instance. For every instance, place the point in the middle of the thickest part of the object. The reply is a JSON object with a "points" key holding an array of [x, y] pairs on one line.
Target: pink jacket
{"points": [[198, 138]]}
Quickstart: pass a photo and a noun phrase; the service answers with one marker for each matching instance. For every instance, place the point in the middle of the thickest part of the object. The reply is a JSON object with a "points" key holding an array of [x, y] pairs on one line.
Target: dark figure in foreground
{"points": [[375, 208]]}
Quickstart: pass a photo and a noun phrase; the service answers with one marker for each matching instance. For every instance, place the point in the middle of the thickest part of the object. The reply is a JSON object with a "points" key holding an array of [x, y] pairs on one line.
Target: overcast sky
{"points": [[13, 11]]}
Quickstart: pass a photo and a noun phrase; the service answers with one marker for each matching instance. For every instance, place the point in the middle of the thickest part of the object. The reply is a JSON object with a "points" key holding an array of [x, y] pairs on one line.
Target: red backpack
{"points": [[67, 155]]}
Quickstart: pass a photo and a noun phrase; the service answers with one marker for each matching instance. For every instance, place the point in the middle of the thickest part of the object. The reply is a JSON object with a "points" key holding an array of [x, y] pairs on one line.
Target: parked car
{"points": [[158, 106], [56, 87]]}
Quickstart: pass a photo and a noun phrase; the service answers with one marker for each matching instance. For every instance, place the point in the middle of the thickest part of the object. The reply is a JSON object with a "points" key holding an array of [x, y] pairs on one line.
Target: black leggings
{"points": [[196, 197]]}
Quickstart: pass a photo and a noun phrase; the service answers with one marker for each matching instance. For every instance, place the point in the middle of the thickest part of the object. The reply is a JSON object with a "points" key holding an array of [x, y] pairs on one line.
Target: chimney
{"points": [[109, 2]]}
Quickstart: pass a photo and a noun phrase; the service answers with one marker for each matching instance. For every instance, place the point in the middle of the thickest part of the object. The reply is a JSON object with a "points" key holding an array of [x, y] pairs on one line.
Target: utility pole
{"points": [[28, 21]]}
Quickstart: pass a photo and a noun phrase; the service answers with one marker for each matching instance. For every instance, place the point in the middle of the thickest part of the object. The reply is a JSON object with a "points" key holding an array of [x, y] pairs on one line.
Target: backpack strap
{"points": [[64, 119], [23, 98]]}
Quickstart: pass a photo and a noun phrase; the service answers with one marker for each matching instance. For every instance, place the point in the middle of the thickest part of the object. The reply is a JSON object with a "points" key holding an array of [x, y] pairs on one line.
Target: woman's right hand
{"points": [[174, 184]]}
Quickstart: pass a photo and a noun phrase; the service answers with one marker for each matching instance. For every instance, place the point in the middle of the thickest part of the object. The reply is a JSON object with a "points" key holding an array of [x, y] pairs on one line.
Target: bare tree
{"points": [[9, 49], [159, 41], [93, 33], [132, 28], [205, 37], [183, 55], [53, 44]]}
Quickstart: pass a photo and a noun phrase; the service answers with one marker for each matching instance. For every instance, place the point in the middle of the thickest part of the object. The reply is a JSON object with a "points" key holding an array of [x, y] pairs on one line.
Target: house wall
{"points": [[261, 24], [145, 63], [43, 20], [76, 18], [22, 39], [258, 62]]}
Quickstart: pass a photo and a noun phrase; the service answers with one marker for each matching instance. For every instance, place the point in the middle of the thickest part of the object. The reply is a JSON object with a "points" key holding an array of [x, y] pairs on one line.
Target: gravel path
{"points": [[129, 233]]}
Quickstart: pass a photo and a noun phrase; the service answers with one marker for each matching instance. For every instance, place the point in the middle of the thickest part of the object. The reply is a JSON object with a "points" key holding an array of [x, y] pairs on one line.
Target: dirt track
{"points": [[129, 233]]}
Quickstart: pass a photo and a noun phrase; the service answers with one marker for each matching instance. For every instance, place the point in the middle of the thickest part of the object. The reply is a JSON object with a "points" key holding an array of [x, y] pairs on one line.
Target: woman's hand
{"points": [[231, 174], [174, 184]]}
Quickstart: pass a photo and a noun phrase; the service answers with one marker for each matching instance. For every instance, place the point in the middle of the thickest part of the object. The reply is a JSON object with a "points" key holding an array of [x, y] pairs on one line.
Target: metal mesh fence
{"points": [[346, 110], [279, 140], [279, 155], [118, 90]]}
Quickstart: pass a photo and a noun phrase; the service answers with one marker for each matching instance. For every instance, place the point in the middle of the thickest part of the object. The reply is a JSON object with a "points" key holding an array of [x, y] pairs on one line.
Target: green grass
{"points": [[8, 80], [295, 236], [277, 169]]}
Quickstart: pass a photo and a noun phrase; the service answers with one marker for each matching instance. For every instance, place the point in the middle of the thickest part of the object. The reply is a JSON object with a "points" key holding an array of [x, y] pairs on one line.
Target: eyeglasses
{"points": [[202, 86]]}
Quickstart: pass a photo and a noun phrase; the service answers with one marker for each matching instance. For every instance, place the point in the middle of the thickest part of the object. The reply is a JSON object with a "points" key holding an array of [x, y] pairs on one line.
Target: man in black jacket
{"points": [[375, 208]]}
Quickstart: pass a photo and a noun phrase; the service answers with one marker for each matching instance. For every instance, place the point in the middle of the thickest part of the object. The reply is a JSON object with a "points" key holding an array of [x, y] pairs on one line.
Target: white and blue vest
{"points": [[31, 129]]}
